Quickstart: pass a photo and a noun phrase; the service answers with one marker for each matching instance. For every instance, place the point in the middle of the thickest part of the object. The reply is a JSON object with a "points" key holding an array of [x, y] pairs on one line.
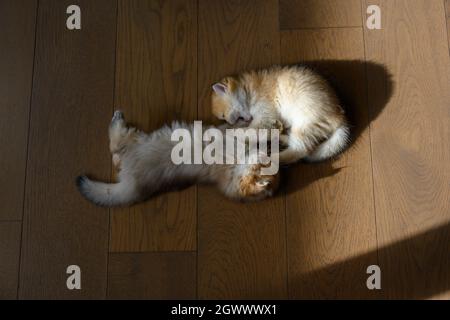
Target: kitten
{"points": [[297, 97], [146, 168]]}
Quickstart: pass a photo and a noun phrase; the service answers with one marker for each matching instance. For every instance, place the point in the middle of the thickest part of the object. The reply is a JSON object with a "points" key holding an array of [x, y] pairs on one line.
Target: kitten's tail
{"points": [[107, 194], [338, 141]]}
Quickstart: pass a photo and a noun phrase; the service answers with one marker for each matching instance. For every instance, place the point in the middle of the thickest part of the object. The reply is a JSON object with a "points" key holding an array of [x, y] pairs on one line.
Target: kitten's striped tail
{"points": [[338, 141], [107, 194]]}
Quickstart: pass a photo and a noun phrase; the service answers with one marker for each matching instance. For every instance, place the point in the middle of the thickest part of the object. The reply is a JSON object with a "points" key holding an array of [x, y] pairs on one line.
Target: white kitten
{"points": [[146, 168]]}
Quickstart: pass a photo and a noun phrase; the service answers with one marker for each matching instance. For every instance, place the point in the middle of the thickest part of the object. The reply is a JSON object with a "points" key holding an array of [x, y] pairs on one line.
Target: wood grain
{"points": [[330, 215], [338, 217], [17, 25], [9, 258], [300, 14], [447, 14], [72, 104], [411, 146], [241, 248], [155, 275], [156, 83]]}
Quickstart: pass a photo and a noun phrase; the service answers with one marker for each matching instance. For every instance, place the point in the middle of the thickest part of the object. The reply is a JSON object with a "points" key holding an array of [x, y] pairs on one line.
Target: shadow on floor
{"points": [[415, 268]]}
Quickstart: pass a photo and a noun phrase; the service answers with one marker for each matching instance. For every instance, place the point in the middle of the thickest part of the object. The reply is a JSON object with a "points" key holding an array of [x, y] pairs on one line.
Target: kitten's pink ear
{"points": [[220, 88]]}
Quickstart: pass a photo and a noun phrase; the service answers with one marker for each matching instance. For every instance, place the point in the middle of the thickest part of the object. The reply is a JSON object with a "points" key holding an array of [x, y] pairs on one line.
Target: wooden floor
{"points": [[386, 201]]}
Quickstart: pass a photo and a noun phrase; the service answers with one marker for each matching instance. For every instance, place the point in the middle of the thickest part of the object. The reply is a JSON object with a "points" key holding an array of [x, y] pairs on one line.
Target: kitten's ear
{"points": [[226, 86], [220, 88]]}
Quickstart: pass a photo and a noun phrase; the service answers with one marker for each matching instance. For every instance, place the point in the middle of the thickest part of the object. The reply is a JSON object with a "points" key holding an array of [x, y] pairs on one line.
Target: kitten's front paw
{"points": [[274, 124], [279, 125], [284, 140]]}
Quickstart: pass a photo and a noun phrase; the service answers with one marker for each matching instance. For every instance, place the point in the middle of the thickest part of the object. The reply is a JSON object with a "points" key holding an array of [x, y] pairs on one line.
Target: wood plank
{"points": [[156, 83], [411, 145], [18, 23], [72, 105], [300, 14], [241, 248], [447, 5], [330, 215], [155, 275], [9, 258]]}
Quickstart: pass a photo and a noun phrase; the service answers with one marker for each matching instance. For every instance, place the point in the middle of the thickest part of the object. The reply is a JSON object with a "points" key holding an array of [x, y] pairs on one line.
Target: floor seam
{"points": [[27, 147], [369, 126], [111, 167]]}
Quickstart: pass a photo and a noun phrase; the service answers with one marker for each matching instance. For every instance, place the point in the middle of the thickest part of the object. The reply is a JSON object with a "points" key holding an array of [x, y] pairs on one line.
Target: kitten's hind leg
{"points": [[119, 136], [117, 116], [333, 146], [117, 126], [117, 130]]}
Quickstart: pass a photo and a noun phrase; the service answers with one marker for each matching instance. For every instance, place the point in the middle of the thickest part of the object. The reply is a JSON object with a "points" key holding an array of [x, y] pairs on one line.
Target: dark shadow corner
{"points": [[428, 276]]}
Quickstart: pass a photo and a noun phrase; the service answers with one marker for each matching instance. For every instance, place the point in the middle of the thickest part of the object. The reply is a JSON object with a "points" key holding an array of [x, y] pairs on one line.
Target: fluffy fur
{"points": [[146, 168], [304, 103]]}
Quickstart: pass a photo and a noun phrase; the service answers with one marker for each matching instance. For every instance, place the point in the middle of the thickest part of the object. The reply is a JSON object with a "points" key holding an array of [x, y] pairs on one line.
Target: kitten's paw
{"points": [[116, 160], [118, 115], [274, 124], [278, 125], [117, 121], [263, 158], [284, 140]]}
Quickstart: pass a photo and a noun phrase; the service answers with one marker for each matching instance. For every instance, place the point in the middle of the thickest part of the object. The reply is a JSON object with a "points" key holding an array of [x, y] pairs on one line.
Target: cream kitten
{"points": [[297, 97], [146, 168]]}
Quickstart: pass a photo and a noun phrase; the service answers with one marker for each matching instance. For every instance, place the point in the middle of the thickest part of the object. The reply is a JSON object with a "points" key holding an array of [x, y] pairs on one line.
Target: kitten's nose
{"points": [[249, 118]]}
